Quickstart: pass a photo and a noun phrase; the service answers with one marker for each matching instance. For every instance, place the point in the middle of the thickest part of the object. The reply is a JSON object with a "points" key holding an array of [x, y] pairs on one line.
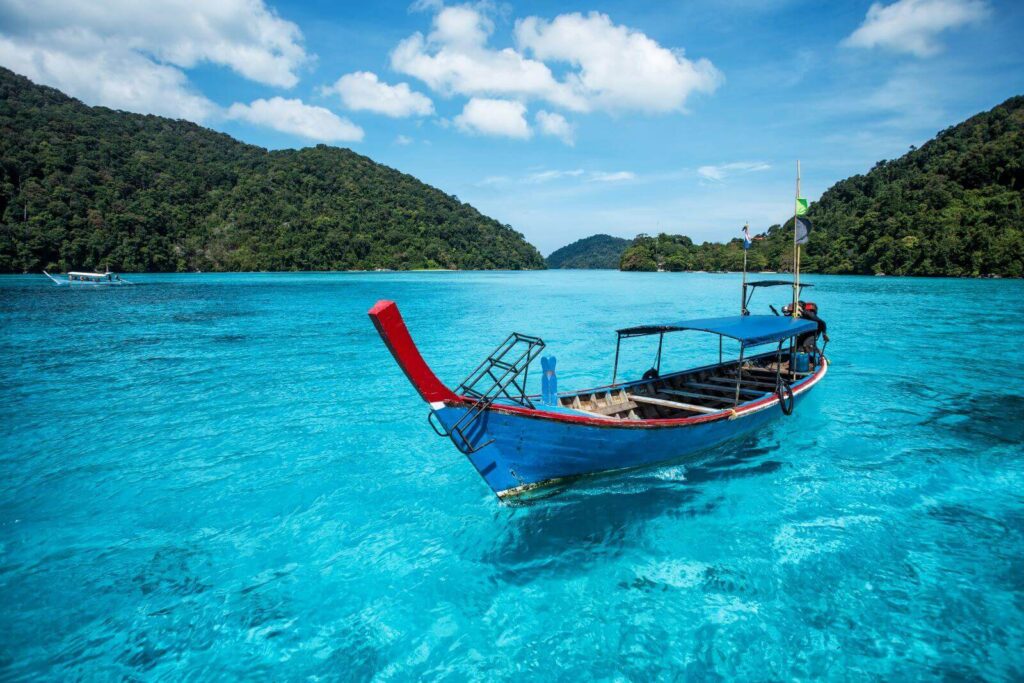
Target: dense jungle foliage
{"points": [[954, 207], [89, 187], [596, 251]]}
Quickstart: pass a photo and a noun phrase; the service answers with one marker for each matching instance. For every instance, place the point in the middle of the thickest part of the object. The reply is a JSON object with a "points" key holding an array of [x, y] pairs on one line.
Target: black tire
{"points": [[786, 397], [651, 374]]}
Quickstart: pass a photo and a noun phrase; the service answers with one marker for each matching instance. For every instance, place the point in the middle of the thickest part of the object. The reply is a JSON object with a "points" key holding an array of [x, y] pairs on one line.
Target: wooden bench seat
{"points": [[769, 387], [691, 394], [732, 389], [673, 404]]}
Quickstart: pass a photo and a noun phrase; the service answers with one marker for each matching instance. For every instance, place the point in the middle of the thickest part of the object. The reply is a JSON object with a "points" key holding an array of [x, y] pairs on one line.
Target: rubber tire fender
{"points": [[786, 397]]}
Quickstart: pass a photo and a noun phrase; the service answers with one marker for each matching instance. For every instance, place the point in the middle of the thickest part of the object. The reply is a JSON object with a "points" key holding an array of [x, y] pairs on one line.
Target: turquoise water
{"points": [[225, 476]]}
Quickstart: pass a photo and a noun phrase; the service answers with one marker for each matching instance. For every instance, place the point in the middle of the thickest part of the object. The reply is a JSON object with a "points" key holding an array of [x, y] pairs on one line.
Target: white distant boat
{"points": [[76, 278]]}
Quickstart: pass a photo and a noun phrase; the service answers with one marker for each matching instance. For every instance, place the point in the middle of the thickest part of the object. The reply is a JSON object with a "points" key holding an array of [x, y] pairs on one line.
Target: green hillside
{"points": [[596, 251], [954, 207], [87, 187]]}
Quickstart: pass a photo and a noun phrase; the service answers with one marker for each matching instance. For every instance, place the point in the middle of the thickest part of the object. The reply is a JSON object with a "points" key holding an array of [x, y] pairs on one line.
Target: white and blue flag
{"points": [[803, 228]]}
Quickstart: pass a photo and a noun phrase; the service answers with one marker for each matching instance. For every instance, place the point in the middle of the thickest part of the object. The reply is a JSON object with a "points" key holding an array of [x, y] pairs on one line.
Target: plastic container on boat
{"points": [[801, 362]]}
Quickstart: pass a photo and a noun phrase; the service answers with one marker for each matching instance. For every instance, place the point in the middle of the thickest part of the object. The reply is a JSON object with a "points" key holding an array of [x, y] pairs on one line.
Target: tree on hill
{"points": [[88, 187]]}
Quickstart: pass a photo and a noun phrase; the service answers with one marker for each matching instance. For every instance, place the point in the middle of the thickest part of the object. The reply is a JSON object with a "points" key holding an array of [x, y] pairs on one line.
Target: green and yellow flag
{"points": [[801, 206]]}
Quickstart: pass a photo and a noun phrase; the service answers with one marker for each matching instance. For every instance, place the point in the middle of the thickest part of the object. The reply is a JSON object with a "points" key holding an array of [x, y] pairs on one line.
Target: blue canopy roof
{"points": [[749, 330]]}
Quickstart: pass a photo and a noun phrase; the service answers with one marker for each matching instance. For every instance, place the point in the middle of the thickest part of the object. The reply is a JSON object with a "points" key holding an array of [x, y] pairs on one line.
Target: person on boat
{"points": [[808, 342]]}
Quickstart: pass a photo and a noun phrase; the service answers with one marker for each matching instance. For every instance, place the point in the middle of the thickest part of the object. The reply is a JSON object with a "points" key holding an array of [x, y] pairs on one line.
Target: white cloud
{"points": [[722, 171], [403, 140], [619, 68], [454, 59], [132, 55], [243, 35], [551, 175], [615, 177], [611, 67], [494, 117], [297, 118], [554, 124], [546, 176], [912, 26], [117, 79], [363, 91]]}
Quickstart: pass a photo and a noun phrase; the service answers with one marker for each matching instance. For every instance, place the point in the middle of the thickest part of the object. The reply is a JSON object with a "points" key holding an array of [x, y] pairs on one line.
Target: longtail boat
{"points": [[520, 442], [77, 278]]}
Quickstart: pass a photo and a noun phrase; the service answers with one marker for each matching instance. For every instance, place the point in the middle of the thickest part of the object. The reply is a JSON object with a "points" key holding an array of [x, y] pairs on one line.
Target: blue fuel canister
{"points": [[801, 362]]}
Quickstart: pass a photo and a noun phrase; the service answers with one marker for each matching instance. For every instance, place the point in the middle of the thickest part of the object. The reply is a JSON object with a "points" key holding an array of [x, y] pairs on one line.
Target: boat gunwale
{"points": [[740, 410]]}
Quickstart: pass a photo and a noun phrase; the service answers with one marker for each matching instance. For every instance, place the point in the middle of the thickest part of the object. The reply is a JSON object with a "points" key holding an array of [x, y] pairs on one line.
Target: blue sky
{"points": [[560, 119]]}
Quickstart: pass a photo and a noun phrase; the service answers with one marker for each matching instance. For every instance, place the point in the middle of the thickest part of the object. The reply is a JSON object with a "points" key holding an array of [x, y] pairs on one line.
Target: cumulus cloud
{"points": [[722, 171], [494, 117], [550, 123], [131, 55], [912, 26], [619, 68], [611, 67], [243, 35], [403, 140], [297, 118], [363, 91], [117, 79], [454, 59]]}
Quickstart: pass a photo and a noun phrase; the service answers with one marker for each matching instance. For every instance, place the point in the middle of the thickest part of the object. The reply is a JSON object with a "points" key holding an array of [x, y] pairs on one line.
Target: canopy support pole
{"points": [[739, 376], [743, 297], [719, 349], [657, 362], [615, 370]]}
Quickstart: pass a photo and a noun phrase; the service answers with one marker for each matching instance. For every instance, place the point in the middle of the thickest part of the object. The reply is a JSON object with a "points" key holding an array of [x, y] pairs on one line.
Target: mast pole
{"points": [[743, 294], [796, 247]]}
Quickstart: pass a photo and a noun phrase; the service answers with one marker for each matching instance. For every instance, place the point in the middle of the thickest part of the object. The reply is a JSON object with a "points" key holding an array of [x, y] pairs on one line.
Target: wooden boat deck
{"points": [[697, 392]]}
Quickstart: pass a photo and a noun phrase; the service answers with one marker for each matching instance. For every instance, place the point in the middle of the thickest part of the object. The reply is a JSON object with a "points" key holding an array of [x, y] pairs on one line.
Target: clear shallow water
{"points": [[227, 476]]}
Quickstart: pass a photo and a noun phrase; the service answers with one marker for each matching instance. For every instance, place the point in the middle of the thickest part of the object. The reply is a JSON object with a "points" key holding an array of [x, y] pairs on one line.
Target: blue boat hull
{"points": [[528, 452]]}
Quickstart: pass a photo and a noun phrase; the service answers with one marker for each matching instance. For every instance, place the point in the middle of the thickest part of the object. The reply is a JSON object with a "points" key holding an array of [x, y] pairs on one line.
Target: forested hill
{"points": [[596, 251], [88, 187], [954, 207]]}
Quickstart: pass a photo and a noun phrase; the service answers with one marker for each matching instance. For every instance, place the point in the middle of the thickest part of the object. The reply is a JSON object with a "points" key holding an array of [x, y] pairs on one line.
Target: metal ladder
{"points": [[502, 375]]}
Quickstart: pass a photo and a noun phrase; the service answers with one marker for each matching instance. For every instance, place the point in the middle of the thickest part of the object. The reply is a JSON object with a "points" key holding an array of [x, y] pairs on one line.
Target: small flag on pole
{"points": [[803, 227], [747, 240], [801, 206]]}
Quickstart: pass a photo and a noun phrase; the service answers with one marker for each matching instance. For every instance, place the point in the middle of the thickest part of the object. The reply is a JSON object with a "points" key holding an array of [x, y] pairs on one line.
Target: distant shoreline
{"points": [[536, 270]]}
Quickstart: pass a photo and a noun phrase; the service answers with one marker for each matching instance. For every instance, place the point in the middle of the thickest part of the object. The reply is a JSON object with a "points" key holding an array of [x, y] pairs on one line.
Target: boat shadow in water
{"points": [[597, 517]]}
